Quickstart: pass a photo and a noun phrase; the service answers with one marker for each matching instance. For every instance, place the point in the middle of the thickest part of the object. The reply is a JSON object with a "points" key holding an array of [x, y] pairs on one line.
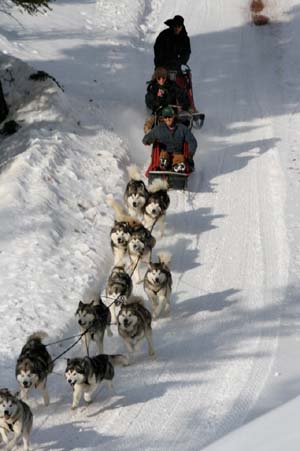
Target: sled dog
{"points": [[85, 374], [33, 366], [93, 319], [134, 324], [157, 204], [158, 284], [118, 288], [120, 232], [140, 245], [136, 193], [15, 417]]}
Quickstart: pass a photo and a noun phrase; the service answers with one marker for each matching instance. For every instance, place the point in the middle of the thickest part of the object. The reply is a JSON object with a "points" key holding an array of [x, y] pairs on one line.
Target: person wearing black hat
{"points": [[172, 47]]}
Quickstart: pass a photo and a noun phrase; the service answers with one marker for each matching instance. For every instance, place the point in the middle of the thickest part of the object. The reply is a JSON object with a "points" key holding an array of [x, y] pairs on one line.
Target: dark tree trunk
{"points": [[3, 105]]}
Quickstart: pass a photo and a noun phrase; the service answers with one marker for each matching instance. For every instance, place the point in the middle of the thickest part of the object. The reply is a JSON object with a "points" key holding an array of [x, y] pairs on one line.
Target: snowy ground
{"points": [[228, 353]]}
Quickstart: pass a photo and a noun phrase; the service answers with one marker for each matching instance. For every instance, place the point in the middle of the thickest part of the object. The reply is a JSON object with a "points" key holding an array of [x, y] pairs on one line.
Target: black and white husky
{"points": [[15, 417], [118, 289], [157, 204], [34, 364], [120, 232], [119, 237], [158, 284], [93, 319], [85, 374], [136, 193], [134, 325], [140, 246]]}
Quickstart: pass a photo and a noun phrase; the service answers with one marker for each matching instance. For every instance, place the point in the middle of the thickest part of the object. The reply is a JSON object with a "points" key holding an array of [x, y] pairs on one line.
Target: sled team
{"points": [[132, 243]]}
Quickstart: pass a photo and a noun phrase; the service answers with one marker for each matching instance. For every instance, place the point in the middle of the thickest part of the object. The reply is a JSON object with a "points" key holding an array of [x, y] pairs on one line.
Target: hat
{"points": [[177, 21], [167, 111], [160, 72]]}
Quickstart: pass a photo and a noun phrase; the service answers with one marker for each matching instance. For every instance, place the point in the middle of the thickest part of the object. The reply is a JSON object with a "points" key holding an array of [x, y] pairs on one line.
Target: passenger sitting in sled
{"points": [[162, 92], [171, 137]]}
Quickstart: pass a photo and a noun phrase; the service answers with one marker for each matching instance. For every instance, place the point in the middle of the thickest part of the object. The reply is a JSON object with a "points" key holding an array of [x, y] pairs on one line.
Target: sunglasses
{"points": [[168, 117], [161, 78]]}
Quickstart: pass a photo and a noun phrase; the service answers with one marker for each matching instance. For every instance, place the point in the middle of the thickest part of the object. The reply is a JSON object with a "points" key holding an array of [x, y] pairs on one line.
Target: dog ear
{"points": [[80, 304], [4, 391], [86, 363]]}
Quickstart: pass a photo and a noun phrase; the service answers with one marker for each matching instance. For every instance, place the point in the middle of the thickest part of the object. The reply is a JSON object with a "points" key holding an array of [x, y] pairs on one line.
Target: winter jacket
{"points": [[168, 94], [171, 50], [172, 139]]}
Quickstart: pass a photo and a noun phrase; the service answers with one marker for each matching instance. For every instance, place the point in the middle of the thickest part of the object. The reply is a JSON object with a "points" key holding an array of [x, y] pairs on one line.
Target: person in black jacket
{"points": [[172, 47], [162, 92]]}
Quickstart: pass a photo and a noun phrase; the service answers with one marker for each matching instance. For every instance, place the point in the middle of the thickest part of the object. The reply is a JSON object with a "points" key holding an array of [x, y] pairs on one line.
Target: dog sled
{"points": [[183, 79], [176, 176]]}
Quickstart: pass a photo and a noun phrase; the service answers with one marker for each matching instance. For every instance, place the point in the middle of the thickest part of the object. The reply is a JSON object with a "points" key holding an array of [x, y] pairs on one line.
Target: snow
{"points": [[226, 372]]}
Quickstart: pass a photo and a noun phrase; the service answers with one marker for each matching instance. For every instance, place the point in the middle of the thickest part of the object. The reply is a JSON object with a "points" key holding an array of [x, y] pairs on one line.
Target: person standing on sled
{"points": [[162, 92], [172, 47], [171, 137]]}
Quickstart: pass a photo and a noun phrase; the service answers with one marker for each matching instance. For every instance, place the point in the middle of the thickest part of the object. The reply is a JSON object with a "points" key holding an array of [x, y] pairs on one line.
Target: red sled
{"points": [[176, 180]]}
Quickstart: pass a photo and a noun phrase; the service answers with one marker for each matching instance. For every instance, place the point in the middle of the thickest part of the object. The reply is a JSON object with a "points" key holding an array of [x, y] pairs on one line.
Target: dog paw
{"points": [[155, 315], [87, 398], [167, 309], [74, 407]]}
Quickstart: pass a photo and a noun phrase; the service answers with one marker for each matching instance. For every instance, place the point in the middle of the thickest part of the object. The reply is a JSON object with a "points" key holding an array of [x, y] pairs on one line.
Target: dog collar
{"points": [[160, 288], [151, 216]]}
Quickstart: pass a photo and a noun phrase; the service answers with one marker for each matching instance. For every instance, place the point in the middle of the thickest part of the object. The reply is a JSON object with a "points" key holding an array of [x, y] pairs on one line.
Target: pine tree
{"points": [[33, 6]]}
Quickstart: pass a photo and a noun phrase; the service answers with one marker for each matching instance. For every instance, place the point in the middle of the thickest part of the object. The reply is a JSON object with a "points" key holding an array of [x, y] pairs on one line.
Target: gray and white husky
{"points": [[120, 232], [15, 417], [157, 204], [118, 288], [140, 247], [33, 366], [134, 325], [158, 284], [85, 374], [136, 193], [119, 237], [93, 319]]}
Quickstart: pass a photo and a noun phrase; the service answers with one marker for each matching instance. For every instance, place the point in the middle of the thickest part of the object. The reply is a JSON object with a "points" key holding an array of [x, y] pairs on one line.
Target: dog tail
{"points": [[134, 173], [133, 299], [40, 335], [158, 185], [165, 258], [119, 359], [118, 208], [120, 213]]}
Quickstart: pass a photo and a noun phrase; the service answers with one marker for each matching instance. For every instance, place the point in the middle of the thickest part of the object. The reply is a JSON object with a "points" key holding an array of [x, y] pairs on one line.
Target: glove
{"points": [[160, 92]]}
